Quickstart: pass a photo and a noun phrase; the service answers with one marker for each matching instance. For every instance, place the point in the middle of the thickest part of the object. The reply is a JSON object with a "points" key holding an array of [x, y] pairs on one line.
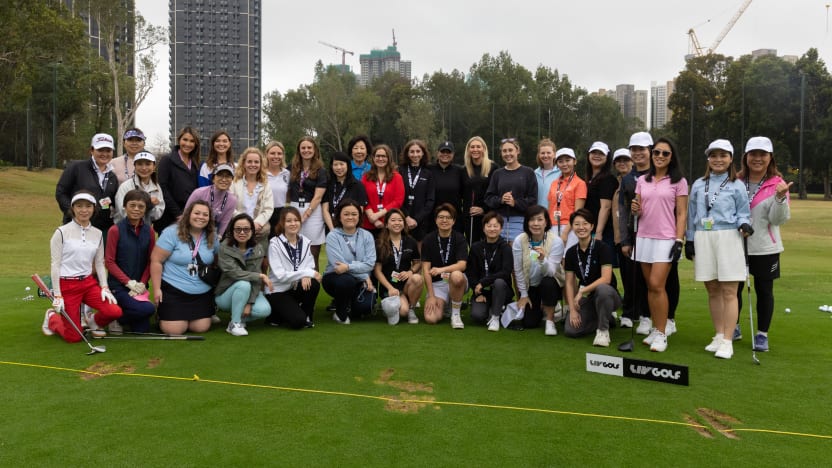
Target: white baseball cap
{"points": [[102, 140], [390, 305], [723, 145], [759, 143], [640, 139], [621, 153], [600, 146], [565, 152], [144, 156]]}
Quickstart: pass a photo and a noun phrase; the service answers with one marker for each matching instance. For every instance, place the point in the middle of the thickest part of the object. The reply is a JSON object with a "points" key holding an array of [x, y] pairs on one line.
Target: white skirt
{"points": [[653, 250], [312, 228]]}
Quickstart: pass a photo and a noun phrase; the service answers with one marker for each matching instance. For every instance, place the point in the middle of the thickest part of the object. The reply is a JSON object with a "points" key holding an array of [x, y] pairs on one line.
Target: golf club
{"points": [[93, 349], [750, 307], [628, 346], [153, 336]]}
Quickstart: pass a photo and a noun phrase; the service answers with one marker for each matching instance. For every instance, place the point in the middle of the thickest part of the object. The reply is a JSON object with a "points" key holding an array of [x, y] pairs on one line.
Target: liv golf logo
{"points": [[637, 369]]}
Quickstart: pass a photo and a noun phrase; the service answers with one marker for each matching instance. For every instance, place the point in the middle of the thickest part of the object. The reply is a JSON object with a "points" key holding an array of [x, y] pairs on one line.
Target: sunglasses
{"points": [[242, 230], [508, 140], [664, 153]]}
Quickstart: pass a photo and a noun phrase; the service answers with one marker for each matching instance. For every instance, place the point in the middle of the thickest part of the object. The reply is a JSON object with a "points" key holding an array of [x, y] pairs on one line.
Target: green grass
{"points": [[314, 395]]}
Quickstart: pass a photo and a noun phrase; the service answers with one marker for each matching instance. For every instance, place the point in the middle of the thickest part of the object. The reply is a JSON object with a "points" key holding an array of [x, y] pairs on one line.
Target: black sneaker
{"points": [[309, 324]]}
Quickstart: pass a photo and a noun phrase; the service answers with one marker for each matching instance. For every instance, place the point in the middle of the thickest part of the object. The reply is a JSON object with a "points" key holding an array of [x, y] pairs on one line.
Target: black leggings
{"points": [[547, 293], [764, 290]]}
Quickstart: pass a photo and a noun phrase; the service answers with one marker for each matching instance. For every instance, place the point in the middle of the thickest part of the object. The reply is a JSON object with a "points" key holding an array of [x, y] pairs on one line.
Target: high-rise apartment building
{"points": [[625, 95], [640, 101], [379, 62], [660, 97], [215, 65]]}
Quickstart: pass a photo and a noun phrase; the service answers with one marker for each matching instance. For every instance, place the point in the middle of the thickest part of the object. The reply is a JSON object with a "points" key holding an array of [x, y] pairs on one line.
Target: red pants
{"points": [[74, 293]]}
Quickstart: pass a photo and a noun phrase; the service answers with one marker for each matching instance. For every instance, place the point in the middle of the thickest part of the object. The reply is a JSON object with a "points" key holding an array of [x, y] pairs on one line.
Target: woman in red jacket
{"points": [[384, 186]]}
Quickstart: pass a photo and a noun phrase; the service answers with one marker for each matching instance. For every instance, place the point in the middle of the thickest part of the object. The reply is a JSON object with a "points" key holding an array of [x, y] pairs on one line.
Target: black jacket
{"points": [[81, 175], [421, 206], [177, 183], [500, 267]]}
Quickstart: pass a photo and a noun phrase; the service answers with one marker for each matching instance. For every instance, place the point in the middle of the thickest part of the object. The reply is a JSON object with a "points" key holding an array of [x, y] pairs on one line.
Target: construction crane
{"points": [[343, 51], [696, 50]]}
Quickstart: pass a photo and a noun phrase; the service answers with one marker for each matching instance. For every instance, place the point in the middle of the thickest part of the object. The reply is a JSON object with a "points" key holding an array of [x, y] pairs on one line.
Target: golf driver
{"points": [[93, 349], [628, 346], [750, 307]]}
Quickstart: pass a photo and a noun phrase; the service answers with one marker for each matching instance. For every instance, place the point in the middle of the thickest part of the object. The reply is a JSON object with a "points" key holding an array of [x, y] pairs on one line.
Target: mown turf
{"points": [[311, 397]]}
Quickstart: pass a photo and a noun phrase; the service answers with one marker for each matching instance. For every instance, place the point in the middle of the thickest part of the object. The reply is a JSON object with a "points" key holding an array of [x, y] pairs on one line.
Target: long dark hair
{"points": [[228, 236], [195, 154], [349, 177], [673, 168], [213, 156], [383, 248], [183, 228], [605, 170]]}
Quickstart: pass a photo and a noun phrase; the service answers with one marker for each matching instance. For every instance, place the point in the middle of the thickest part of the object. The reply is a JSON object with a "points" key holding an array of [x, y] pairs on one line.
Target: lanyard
{"points": [[536, 244], [444, 255], [104, 180], [126, 171], [303, 176], [380, 188], [488, 262], [716, 194], [195, 247], [337, 199], [397, 253], [584, 270], [748, 188], [560, 194], [294, 254], [222, 205], [413, 181], [349, 246]]}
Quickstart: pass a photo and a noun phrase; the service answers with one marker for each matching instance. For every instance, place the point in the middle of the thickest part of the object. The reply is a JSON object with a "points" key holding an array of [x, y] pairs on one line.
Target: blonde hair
{"points": [[545, 142], [280, 145], [240, 170], [485, 166]]}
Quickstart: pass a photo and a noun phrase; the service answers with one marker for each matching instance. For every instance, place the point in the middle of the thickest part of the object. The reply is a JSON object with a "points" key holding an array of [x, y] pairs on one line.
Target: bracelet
{"points": [[678, 240]]}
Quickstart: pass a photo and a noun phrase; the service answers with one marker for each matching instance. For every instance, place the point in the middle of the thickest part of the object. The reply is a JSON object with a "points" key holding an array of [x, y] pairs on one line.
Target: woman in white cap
{"points": [[718, 219], [253, 193], [661, 204], [77, 250], [601, 185], [220, 151], [512, 189], [397, 268], [566, 195], [768, 195], [144, 179], [94, 175], [133, 144]]}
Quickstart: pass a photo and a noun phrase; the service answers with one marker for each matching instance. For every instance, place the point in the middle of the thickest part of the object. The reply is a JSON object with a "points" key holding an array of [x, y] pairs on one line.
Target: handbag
{"points": [[208, 273]]}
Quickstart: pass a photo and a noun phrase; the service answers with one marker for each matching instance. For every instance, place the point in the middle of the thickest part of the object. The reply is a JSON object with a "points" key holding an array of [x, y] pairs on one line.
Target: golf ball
{"points": [[28, 288], [788, 311]]}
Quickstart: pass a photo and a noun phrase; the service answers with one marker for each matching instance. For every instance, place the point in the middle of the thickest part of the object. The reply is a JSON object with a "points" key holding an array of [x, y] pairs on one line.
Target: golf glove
{"points": [[58, 304], [676, 252], [136, 287], [746, 229], [107, 296], [690, 250]]}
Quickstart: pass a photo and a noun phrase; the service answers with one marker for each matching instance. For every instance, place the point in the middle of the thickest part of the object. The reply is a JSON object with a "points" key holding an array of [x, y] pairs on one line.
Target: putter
{"points": [[93, 349], [628, 346], [750, 307]]}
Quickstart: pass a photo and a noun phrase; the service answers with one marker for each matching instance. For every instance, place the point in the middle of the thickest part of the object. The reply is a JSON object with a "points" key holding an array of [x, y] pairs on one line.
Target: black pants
{"points": [[293, 307], [765, 269], [493, 306], [352, 300], [547, 293]]}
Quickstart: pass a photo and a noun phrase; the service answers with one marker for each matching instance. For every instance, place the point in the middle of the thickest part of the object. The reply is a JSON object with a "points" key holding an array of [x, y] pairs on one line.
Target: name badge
{"points": [[707, 223], [301, 202], [379, 207], [410, 198], [105, 203]]}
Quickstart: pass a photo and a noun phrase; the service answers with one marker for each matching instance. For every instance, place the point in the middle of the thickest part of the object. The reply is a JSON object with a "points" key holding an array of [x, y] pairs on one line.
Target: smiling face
{"points": [[349, 218], [492, 229], [291, 224], [566, 164], [582, 228], [200, 216], [640, 156], [222, 144], [135, 210], [359, 152], [509, 152], [546, 157], [381, 158], [242, 231], [597, 159], [187, 143], [222, 180], [133, 145], [661, 156], [395, 223], [719, 161], [537, 225], [414, 155], [476, 151], [445, 157], [758, 162], [340, 168], [252, 164], [307, 150], [275, 157], [82, 211], [444, 221], [144, 168], [102, 156], [623, 165]]}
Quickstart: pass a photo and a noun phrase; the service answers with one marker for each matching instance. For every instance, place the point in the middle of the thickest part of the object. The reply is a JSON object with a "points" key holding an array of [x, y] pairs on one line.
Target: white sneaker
{"points": [[659, 343], [237, 329], [456, 322], [551, 329], [652, 336], [115, 328], [602, 338], [342, 322], [560, 313], [418, 304], [626, 322], [715, 342], [45, 327], [411, 317], [726, 349], [670, 328], [644, 326], [494, 323], [94, 329], [215, 319]]}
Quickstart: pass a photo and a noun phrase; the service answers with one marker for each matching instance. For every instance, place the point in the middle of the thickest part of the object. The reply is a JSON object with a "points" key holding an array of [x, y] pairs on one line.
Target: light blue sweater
{"points": [[337, 250], [730, 209]]}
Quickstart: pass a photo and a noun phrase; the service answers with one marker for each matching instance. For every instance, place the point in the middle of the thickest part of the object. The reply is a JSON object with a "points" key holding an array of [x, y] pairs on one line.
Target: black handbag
{"points": [[208, 273]]}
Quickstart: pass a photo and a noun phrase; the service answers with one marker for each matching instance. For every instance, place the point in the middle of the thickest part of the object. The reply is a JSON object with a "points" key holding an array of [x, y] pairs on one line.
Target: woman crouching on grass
{"points": [[184, 302], [127, 257], [241, 283], [351, 255], [293, 274], [77, 247], [490, 263], [588, 266], [397, 268]]}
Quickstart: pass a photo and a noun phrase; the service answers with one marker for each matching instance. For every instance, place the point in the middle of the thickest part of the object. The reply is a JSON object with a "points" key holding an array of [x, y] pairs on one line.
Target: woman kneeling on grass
{"points": [[588, 266], [184, 302], [351, 255], [77, 247], [241, 283], [127, 257], [397, 269], [292, 271], [444, 257], [489, 269]]}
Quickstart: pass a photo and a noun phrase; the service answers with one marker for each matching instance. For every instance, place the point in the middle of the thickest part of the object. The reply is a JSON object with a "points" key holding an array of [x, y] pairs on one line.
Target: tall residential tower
{"points": [[215, 64]]}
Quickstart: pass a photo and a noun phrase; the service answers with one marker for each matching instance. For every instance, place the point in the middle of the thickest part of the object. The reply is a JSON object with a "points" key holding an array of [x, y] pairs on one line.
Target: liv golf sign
{"points": [[637, 369]]}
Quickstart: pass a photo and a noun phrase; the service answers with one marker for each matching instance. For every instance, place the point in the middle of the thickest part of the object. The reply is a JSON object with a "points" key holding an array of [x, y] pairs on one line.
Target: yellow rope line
{"points": [[196, 378]]}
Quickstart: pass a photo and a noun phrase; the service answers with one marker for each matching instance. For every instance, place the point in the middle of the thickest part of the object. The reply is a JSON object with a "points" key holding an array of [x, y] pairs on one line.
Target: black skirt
{"points": [[178, 305]]}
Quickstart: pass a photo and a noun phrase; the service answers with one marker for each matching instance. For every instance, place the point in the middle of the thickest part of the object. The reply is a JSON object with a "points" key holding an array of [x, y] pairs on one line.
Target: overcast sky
{"points": [[598, 44]]}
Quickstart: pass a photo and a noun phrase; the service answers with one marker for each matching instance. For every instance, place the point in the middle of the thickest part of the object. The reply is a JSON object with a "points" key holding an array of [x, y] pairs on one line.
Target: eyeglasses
{"points": [[242, 230], [380, 155], [444, 218], [664, 153]]}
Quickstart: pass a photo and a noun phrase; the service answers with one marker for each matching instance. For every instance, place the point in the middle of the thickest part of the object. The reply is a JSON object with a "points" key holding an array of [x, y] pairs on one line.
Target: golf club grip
{"points": [[40, 284]]}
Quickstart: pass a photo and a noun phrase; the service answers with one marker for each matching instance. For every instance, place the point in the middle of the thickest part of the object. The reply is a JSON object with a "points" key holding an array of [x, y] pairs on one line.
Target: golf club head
{"points": [[97, 349], [754, 357], [627, 346]]}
